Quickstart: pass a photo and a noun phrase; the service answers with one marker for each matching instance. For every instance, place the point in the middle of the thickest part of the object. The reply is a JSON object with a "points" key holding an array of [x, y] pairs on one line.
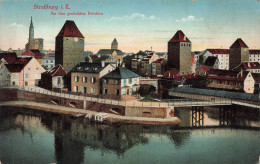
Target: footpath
{"points": [[92, 115]]}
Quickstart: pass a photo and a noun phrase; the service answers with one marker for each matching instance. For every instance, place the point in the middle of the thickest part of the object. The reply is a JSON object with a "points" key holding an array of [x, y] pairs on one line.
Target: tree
{"points": [[128, 61]]}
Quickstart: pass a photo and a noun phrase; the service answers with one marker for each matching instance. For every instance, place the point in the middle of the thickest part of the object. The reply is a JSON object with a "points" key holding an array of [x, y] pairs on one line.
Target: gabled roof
{"points": [[15, 67], [254, 52], [121, 73], [109, 52], [179, 37], [92, 56], [23, 60], [210, 61], [86, 67], [70, 29], [239, 43], [58, 70], [35, 53], [10, 58], [218, 51]]}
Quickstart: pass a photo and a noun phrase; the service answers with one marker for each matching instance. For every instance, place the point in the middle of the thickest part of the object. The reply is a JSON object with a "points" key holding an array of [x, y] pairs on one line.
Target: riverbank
{"points": [[92, 115]]}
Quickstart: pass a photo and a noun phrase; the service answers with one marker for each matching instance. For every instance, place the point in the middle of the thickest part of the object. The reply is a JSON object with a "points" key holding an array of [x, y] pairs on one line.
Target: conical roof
{"points": [[31, 25], [70, 29], [114, 41], [239, 43], [179, 37]]}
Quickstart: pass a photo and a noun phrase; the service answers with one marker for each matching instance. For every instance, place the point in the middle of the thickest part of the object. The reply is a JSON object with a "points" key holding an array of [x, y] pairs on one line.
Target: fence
{"points": [[173, 103]]}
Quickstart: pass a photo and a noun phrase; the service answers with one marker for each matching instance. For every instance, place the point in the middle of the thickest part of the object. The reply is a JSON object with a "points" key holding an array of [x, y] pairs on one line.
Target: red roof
{"points": [[239, 43], [226, 78], [58, 70], [205, 68], [249, 65], [170, 74], [223, 72], [254, 52], [15, 67], [23, 60], [179, 37], [35, 53], [159, 60], [219, 51], [92, 56], [70, 29], [10, 58]]}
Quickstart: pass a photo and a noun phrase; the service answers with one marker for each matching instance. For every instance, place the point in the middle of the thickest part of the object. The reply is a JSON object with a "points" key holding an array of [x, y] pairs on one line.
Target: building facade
{"points": [[254, 56], [69, 46]]}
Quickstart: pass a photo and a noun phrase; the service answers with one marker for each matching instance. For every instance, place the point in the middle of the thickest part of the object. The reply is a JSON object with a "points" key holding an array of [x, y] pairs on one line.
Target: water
{"points": [[30, 136]]}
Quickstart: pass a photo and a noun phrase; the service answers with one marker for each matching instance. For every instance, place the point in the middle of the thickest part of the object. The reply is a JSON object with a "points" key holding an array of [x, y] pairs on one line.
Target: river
{"points": [[31, 136]]}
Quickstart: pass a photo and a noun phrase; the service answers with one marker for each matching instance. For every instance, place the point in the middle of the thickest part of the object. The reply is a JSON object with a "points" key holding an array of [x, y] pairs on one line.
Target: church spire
{"points": [[31, 30]]}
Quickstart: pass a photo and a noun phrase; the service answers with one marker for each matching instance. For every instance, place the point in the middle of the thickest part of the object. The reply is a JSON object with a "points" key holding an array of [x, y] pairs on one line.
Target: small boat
{"points": [[115, 111]]}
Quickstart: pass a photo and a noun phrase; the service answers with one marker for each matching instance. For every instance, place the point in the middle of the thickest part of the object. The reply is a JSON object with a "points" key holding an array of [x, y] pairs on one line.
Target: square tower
{"points": [[179, 53], [238, 53], [69, 46]]}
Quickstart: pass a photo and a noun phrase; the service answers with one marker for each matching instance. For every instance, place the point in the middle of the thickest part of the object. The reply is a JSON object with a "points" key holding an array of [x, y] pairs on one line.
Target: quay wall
{"points": [[120, 109]]}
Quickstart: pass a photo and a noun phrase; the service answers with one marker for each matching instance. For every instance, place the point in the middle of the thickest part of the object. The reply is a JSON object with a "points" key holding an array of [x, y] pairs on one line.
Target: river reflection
{"points": [[29, 136]]}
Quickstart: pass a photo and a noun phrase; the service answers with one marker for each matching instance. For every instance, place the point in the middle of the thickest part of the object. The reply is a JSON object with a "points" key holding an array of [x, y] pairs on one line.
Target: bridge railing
{"points": [[173, 103]]}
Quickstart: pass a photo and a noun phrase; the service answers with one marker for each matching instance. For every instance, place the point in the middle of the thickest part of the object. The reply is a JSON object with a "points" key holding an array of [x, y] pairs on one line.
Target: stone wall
{"points": [[145, 112]]}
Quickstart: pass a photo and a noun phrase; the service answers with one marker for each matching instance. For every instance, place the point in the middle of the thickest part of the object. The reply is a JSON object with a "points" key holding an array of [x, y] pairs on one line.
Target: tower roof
{"points": [[239, 43], [179, 37], [70, 29], [114, 41], [31, 25]]}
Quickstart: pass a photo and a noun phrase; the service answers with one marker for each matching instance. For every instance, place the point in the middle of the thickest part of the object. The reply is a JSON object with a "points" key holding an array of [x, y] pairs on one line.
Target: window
{"points": [[84, 79], [13, 83], [130, 80], [93, 80], [26, 83], [59, 81], [76, 78], [26, 75], [124, 81], [123, 92], [116, 81], [92, 90], [84, 90], [105, 91], [117, 91], [75, 88], [105, 81]]}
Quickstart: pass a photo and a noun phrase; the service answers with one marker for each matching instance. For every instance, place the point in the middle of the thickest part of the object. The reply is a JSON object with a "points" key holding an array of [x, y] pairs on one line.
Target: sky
{"points": [[136, 24]]}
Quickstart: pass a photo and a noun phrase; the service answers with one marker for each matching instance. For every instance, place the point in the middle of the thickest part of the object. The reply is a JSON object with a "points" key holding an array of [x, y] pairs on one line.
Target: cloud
{"points": [[132, 17], [189, 19], [16, 25]]}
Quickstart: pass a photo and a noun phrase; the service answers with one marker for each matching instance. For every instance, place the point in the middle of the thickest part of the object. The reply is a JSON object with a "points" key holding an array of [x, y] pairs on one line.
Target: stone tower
{"points": [[179, 53], [69, 46], [114, 45], [31, 32], [238, 53]]}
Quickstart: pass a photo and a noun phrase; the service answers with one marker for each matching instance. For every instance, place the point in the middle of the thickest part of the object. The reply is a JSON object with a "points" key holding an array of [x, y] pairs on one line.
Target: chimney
{"points": [[103, 63]]}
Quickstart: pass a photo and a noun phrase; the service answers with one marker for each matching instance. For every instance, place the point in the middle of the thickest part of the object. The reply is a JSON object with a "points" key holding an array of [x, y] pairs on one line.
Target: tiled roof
{"points": [[205, 68], [159, 60], [179, 37], [15, 67], [211, 60], [249, 65], [121, 73], [86, 67], [218, 51], [70, 29], [58, 70], [170, 74], [239, 43], [92, 56], [23, 60], [35, 53], [109, 52], [254, 52], [223, 72], [10, 58]]}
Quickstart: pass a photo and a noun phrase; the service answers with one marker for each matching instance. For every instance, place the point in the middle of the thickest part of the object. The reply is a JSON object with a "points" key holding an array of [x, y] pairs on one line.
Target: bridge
{"points": [[236, 98]]}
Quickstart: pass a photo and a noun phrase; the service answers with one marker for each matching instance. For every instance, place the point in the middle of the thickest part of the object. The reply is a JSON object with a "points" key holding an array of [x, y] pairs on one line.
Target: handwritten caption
{"points": [[64, 7]]}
